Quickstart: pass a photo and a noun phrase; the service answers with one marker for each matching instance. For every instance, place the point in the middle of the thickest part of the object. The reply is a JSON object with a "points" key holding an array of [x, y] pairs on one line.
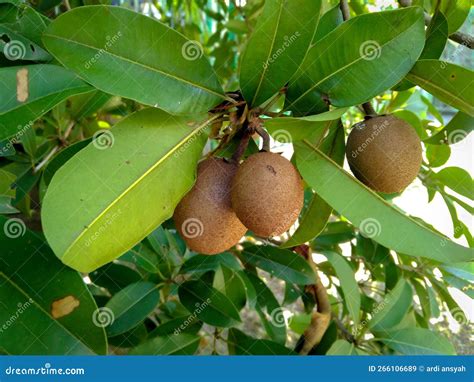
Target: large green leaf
{"points": [[456, 12], [448, 82], [349, 286], [277, 46], [231, 285], [393, 308], [146, 60], [208, 304], [118, 189], [377, 218], [48, 85], [46, 307], [241, 344], [281, 263], [342, 347], [131, 306], [358, 60], [315, 218], [181, 344], [436, 37], [313, 127], [418, 341]]}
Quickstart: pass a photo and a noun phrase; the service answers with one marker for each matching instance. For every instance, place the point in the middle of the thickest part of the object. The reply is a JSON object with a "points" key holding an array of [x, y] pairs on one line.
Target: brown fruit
{"points": [[204, 217], [267, 194], [384, 152]]}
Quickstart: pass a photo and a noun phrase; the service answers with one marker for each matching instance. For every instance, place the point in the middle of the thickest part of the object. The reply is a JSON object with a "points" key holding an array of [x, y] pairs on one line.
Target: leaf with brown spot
{"points": [[64, 306]]}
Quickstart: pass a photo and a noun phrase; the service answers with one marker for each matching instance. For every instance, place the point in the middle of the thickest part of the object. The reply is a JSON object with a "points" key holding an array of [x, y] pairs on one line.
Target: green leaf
{"points": [[418, 341], [437, 155], [456, 12], [20, 48], [173, 75], [227, 282], [445, 81], [342, 347], [328, 22], [458, 180], [393, 308], [273, 320], [360, 48], [88, 208], [455, 131], [316, 216], [208, 304], [241, 344], [464, 271], [114, 277], [436, 37], [204, 263], [277, 46], [45, 311], [313, 127], [47, 86], [181, 344], [131, 306], [364, 208], [281, 263], [131, 338], [349, 286]]}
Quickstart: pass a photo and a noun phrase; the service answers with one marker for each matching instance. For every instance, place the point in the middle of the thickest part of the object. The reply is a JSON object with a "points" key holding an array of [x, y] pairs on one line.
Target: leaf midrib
{"points": [[136, 182], [313, 87], [169, 75], [269, 53]]}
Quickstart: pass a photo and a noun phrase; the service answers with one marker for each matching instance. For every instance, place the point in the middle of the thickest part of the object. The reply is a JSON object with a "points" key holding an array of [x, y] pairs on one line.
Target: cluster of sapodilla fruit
{"points": [[265, 193]]}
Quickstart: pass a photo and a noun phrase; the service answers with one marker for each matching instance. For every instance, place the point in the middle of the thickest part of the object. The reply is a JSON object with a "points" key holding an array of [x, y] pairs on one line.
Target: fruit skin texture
{"points": [[204, 217], [267, 194], [384, 152]]}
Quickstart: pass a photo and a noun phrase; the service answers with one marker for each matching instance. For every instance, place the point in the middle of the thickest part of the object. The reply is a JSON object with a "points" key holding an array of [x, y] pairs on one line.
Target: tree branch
{"points": [[321, 318]]}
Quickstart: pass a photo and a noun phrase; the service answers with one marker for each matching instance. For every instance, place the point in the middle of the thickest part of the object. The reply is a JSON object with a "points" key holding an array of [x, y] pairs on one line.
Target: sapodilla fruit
{"points": [[384, 152], [267, 194], [204, 217]]}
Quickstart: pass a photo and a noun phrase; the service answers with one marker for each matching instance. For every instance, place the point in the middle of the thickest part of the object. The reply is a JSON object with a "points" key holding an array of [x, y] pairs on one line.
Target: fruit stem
{"points": [[369, 109], [244, 142], [266, 138]]}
